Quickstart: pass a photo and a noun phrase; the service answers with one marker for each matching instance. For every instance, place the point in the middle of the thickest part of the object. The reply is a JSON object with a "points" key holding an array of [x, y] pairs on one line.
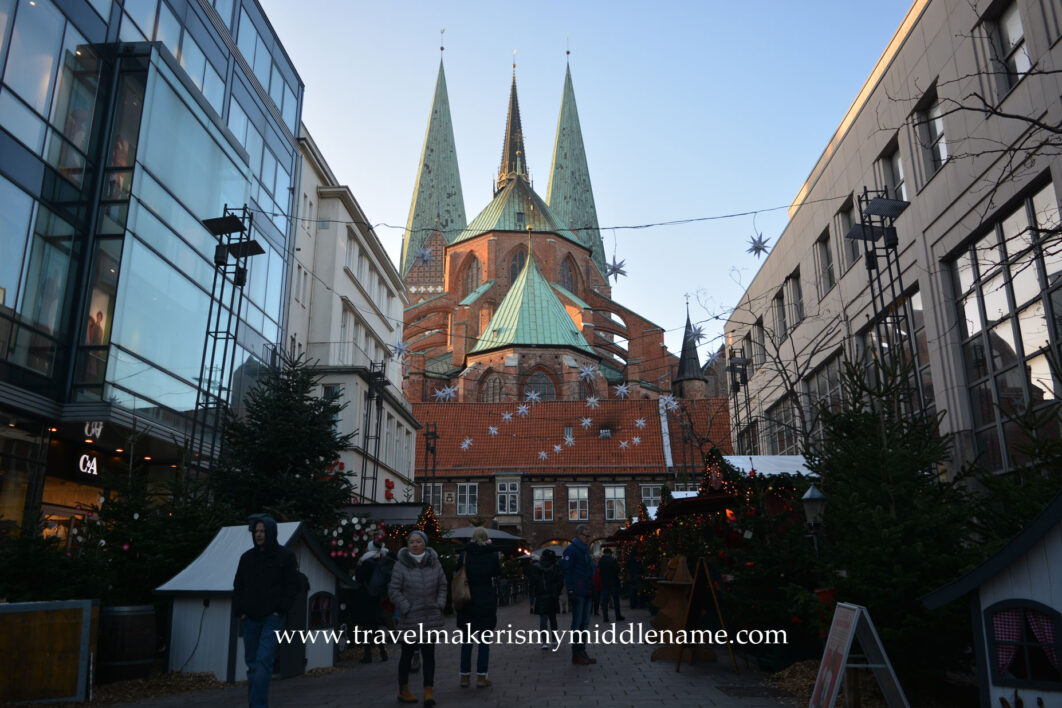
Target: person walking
{"points": [[634, 578], [263, 591], [609, 568], [418, 590], [372, 574], [547, 583], [579, 579], [481, 566]]}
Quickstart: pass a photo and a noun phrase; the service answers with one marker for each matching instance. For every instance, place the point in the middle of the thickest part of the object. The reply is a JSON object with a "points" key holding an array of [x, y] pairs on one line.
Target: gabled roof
{"points": [[514, 208], [437, 199], [576, 300], [689, 368], [1039, 527], [514, 157], [477, 293], [569, 193], [531, 315]]}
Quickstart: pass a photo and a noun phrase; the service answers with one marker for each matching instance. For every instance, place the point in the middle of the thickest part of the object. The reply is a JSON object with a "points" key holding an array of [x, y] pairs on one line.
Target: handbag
{"points": [[459, 592]]}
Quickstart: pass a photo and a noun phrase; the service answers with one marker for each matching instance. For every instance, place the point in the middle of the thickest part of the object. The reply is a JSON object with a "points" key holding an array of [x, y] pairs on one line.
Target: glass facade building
{"points": [[123, 125]]}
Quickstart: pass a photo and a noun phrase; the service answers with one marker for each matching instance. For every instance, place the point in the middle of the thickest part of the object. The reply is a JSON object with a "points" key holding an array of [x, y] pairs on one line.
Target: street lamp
{"points": [[814, 503]]}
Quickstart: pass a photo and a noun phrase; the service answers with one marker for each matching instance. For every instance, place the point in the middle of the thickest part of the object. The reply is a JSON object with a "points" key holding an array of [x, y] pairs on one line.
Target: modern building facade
{"points": [[122, 127], [929, 227], [345, 318]]}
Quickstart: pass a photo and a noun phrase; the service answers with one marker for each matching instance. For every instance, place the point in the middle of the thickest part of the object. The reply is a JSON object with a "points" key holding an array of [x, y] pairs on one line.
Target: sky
{"points": [[689, 110]]}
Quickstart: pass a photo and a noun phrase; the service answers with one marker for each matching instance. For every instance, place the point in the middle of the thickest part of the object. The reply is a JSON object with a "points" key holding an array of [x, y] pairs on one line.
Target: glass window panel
{"points": [[31, 61], [131, 373], [269, 171], [214, 89], [1033, 325], [995, 295], [971, 315], [142, 13], [254, 147], [290, 109], [1004, 346], [276, 86], [150, 286], [44, 294], [237, 121], [263, 64], [964, 272], [1018, 443], [75, 96], [1024, 278], [129, 32], [248, 37], [224, 8], [1042, 383], [14, 227], [170, 246], [7, 7], [192, 60], [103, 7], [976, 362], [21, 122], [1016, 233], [169, 31], [988, 449], [1011, 390], [97, 329], [275, 284], [927, 386], [988, 254], [131, 102]]}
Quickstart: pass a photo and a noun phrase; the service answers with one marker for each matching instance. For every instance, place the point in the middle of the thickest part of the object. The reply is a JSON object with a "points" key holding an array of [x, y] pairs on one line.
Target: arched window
{"points": [[542, 383], [471, 275], [491, 390], [568, 275], [517, 264]]}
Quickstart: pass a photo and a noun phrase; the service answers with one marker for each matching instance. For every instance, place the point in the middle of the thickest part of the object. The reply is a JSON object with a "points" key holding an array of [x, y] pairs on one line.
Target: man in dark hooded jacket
{"points": [[267, 581]]}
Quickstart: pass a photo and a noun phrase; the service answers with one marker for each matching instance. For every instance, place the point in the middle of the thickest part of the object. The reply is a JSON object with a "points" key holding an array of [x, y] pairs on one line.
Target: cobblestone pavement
{"points": [[523, 675]]}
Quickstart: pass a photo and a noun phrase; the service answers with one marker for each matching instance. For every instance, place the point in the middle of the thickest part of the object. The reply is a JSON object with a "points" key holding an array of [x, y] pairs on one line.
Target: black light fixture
{"points": [[814, 503]]}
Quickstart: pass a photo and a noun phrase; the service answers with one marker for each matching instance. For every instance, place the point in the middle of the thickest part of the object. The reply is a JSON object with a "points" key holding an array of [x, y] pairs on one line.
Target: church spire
{"points": [[514, 158], [438, 204], [689, 367], [569, 194]]}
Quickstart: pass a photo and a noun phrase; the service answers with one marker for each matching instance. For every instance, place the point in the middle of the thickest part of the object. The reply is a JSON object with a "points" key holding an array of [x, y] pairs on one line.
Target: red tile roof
{"points": [[517, 443]]}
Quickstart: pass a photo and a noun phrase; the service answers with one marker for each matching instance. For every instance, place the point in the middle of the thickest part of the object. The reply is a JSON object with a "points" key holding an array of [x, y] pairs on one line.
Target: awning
{"points": [[397, 514]]}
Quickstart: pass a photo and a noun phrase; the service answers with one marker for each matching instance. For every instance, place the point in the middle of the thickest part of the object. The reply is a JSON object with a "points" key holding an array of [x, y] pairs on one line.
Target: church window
{"points": [[542, 383], [471, 275], [568, 275], [517, 264], [491, 390]]}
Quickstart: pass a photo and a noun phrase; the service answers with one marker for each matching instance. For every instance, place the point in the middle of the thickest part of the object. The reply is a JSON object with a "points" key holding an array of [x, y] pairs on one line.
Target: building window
{"points": [[846, 219], [508, 498], [432, 494], [796, 298], [578, 503], [824, 393], [517, 264], [749, 440], [615, 502], [543, 503], [1008, 45], [780, 319], [1008, 286], [471, 280], [824, 263], [930, 126], [351, 261], [783, 428], [1023, 640], [468, 499], [759, 352], [744, 352], [491, 390], [892, 172], [651, 494], [541, 382], [568, 275]]}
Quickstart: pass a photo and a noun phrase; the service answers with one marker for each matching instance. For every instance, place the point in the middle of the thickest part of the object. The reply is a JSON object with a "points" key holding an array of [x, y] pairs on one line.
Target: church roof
{"points": [[477, 293], [437, 199], [514, 208], [531, 315], [514, 157], [689, 368], [569, 194]]}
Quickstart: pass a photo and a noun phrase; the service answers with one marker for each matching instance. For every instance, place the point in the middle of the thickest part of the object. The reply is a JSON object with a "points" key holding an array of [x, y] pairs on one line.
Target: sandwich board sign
{"points": [[852, 622]]}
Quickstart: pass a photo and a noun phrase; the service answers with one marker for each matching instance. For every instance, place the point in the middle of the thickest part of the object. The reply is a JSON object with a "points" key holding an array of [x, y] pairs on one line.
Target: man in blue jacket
{"points": [[579, 579]]}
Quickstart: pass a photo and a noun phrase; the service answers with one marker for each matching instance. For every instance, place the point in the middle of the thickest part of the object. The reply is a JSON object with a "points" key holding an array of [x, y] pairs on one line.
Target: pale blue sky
{"points": [[688, 109]]}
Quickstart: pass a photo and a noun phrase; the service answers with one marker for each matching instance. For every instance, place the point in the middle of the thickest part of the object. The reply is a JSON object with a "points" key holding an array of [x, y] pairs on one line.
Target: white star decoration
{"points": [[569, 440], [521, 409], [556, 448], [542, 455], [669, 402], [623, 390], [623, 445], [491, 430], [636, 440], [423, 256], [532, 396], [585, 422], [507, 417], [757, 245], [615, 269], [401, 349], [587, 372], [466, 443], [446, 393], [697, 334], [640, 423], [591, 402]]}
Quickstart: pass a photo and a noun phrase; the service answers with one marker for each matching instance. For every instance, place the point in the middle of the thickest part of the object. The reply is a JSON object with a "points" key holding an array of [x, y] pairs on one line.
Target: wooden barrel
{"points": [[126, 643]]}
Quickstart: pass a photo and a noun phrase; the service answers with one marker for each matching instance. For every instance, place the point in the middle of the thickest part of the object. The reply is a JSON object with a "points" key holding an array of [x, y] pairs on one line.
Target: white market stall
{"points": [[205, 636]]}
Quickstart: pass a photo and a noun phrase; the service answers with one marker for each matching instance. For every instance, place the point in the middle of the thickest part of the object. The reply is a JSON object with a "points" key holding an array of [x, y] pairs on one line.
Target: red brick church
{"points": [[542, 389]]}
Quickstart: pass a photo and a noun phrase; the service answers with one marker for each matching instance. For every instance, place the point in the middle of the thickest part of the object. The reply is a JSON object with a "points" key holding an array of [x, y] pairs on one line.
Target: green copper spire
{"points": [[437, 199], [531, 315], [514, 158], [569, 194]]}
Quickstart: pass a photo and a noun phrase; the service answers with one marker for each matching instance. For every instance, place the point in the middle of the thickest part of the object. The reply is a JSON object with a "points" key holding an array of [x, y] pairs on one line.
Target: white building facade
{"points": [[345, 317], [959, 119]]}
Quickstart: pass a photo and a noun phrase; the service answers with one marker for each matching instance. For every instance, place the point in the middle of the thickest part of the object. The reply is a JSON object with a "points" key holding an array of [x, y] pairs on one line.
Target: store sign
{"points": [[93, 428], [87, 464]]}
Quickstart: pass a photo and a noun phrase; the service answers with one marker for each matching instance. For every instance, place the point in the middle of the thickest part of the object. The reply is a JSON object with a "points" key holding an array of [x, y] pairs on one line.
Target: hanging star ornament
{"points": [[669, 402], [697, 334], [507, 417], [757, 245], [542, 455], [491, 430], [639, 423], [532, 396], [636, 440], [522, 409], [585, 422], [423, 256], [623, 390], [556, 448], [588, 372], [615, 269], [623, 445], [401, 349], [569, 440], [446, 393], [466, 443]]}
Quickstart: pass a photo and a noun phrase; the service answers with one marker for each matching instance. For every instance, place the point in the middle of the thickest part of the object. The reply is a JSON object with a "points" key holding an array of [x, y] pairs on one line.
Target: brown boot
{"points": [[405, 695], [429, 697], [482, 681], [466, 679]]}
